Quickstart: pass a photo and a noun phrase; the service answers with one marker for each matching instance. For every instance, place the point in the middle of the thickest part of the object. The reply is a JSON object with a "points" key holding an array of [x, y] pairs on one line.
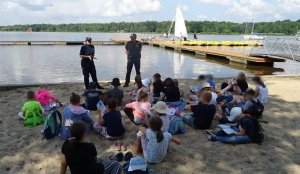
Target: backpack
{"points": [[256, 109], [52, 125], [176, 126], [259, 131], [34, 118]]}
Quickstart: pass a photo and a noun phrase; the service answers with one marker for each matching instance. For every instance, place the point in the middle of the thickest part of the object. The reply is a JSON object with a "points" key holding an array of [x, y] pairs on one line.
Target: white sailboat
{"points": [[180, 28], [253, 36]]}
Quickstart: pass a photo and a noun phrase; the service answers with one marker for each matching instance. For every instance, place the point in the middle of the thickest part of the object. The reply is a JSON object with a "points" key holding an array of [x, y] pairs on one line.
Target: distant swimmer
{"points": [[87, 53], [133, 50]]}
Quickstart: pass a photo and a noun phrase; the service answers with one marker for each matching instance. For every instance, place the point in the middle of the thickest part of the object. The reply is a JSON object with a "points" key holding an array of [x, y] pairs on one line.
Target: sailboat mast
{"points": [[246, 28], [170, 29], [252, 28]]}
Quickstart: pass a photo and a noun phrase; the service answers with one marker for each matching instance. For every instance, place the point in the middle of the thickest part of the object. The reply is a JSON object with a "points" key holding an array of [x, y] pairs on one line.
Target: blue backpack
{"points": [[53, 124]]}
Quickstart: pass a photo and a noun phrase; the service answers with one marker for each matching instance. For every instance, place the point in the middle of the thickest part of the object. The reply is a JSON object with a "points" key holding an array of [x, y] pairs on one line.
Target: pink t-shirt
{"points": [[139, 108], [44, 97]]}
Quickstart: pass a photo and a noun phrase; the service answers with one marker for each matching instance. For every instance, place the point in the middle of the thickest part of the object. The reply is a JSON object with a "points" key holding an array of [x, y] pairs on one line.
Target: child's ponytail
{"points": [[159, 136], [155, 125]]}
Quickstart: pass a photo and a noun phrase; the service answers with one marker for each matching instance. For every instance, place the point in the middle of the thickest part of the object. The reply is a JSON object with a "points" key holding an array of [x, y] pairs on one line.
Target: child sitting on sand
{"points": [[160, 109], [158, 86], [74, 113], [210, 80], [110, 125], [171, 93], [203, 113], [197, 88], [176, 83], [31, 111], [234, 113], [81, 156], [92, 97], [238, 84], [45, 97], [261, 91], [137, 86], [154, 142], [136, 110], [146, 88], [205, 87], [116, 93], [247, 131]]}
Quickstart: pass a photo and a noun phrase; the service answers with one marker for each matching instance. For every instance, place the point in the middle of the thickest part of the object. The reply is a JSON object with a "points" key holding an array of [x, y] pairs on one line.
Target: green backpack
{"points": [[34, 118]]}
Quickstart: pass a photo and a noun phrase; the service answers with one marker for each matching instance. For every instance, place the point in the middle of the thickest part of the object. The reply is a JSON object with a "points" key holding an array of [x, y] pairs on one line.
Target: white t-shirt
{"points": [[214, 97], [263, 94], [166, 123]]}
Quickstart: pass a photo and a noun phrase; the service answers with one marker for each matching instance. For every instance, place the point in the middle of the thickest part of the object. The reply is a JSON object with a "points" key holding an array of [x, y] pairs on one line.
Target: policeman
{"points": [[87, 53], [133, 50]]}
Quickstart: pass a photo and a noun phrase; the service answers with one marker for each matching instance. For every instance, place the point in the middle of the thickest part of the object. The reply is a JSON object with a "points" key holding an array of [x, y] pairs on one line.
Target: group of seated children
{"points": [[150, 108], [37, 103], [241, 114]]}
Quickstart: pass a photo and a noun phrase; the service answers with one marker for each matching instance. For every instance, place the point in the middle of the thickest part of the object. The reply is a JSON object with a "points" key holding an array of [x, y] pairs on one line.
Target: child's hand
{"points": [[187, 107]]}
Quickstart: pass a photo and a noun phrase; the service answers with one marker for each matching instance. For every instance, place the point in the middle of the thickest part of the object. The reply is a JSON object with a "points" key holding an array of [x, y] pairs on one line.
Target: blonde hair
{"points": [[142, 95]]}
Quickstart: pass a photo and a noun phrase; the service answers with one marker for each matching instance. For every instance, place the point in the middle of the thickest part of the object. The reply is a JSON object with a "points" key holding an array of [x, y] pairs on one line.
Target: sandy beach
{"points": [[24, 151]]}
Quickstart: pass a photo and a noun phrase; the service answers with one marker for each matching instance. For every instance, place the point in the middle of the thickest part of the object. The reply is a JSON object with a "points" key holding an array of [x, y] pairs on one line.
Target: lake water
{"points": [[52, 64]]}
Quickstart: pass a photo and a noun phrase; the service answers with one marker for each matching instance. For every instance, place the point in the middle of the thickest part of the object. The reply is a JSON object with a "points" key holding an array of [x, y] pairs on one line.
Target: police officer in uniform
{"points": [[133, 50], [87, 53]]}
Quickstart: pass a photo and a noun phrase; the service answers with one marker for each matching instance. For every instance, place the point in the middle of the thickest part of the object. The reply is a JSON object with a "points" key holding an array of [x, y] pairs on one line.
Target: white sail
{"points": [[180, 28]]}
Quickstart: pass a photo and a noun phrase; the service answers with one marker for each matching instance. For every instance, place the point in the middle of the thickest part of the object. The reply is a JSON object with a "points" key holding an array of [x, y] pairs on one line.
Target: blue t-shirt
{"points": [[203, 115], [87, 50], [92, 98], [134, 49], [113, 123], [212, 83]]}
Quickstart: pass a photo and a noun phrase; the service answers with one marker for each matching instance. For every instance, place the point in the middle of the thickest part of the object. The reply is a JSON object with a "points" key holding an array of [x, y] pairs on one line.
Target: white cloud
{"points": [[257, 9], [289, 5], [60, 11]]}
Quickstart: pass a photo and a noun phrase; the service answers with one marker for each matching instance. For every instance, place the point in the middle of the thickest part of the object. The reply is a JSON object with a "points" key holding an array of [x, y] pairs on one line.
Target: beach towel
{"points": [[176, 125], [178, 104]]}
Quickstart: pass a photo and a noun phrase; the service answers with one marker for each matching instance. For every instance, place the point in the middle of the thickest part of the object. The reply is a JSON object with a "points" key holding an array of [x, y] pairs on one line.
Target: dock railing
{"points": [[288, 48]]}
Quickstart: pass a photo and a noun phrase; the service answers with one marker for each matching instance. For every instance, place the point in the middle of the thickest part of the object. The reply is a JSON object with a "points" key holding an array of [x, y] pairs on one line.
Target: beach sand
{"points": [[24, 151]]}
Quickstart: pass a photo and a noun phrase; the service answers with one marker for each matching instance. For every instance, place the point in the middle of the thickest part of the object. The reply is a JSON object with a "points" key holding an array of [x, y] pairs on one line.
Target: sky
{"points": [[102, 11]]}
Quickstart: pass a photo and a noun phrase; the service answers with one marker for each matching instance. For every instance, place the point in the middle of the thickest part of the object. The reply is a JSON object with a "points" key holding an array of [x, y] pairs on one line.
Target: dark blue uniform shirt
{"points": [[134, 49]]}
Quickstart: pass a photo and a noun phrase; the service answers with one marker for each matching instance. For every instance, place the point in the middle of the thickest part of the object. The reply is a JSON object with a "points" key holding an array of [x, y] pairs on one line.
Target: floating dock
{"points": [[197, 50], [111, 42], [231, 56]]}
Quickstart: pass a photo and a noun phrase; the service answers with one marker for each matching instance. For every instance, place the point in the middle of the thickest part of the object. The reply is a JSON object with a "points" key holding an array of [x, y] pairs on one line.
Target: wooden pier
{"points": [[231, 56], [197, 50], [111, 42]]}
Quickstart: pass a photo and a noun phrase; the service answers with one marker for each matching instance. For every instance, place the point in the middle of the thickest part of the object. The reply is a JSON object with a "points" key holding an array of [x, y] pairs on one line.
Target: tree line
{"points": [[286, 27]]}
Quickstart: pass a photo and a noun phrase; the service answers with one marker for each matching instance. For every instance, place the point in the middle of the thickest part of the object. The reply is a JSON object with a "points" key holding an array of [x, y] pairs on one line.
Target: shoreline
{"points": [[8, 87]]}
